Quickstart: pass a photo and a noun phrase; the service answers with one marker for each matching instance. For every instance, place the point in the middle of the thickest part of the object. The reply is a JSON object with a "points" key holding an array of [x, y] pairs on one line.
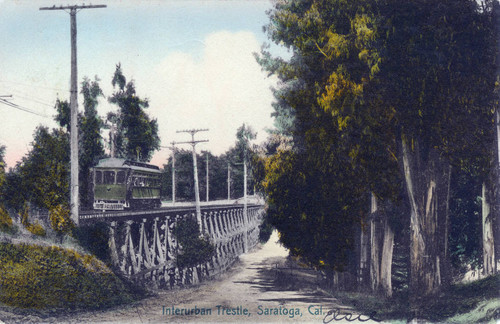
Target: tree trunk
{"points": [[381, 247], [426, 186], [363, 270], [489, 262], [495, 194], [375, 239], [386, 262], [446, 273]]}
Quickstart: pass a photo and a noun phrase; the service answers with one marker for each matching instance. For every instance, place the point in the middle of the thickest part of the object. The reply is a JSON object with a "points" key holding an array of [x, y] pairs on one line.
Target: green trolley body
{"points": [[120, 184]]}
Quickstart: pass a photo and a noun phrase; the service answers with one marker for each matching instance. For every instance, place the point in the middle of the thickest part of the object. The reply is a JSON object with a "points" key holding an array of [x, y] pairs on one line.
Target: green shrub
{"points": [[194, 249], [60, 219], [35, 229]]}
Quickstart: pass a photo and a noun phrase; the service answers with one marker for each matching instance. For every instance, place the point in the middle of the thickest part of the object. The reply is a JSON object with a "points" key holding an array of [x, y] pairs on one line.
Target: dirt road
{"points": [[250, 292]]}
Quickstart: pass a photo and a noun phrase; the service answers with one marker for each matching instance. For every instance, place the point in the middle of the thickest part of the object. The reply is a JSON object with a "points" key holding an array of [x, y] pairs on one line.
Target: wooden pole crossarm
{"points": [[192, 142], [73, 7]]}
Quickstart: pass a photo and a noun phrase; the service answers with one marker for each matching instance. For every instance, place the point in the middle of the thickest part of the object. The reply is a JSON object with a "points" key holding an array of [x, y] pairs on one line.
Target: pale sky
{"points": [[193, 60]]}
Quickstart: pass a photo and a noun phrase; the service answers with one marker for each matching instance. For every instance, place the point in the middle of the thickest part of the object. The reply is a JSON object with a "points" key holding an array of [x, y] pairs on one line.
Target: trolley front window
{"points": [[120, 177], [98, 177], [109, 177]]}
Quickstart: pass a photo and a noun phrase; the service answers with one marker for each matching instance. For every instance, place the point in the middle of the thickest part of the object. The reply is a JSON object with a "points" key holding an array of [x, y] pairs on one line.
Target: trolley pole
{"points": [[74, 193], [196, 187]]}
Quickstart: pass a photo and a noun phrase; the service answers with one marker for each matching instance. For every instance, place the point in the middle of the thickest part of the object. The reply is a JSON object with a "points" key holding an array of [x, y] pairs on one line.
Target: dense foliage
{"points": [[49, 156], [137, 135], [382, 97]]}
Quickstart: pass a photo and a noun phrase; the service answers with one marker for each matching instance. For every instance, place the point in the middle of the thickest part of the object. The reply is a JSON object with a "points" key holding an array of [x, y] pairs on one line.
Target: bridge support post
{"points": [[112, 244]]}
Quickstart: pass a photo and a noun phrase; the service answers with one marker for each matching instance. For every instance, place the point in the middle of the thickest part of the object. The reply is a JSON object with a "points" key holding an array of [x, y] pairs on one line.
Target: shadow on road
{"points": [[285, 275]]}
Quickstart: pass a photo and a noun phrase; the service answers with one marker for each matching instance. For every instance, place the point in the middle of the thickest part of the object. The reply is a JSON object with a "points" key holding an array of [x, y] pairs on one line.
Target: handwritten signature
{"points": [[337, 315]]}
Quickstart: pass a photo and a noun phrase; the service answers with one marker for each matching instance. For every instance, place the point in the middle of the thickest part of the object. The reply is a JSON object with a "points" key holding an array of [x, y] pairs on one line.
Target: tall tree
{"points": [[243, 154], [399, 90], [323, 85], [244, 134], [490, 197], [437, 77], [63, 114], [91, 147], [137, 136], [49, 156]]}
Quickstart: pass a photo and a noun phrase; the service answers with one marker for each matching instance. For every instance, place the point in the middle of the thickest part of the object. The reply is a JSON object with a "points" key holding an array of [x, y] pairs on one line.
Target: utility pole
{"points": [[74, 193], [228, 181], [173, 148], [245, 204], [245, 189], [207, 180], [196, 188]]}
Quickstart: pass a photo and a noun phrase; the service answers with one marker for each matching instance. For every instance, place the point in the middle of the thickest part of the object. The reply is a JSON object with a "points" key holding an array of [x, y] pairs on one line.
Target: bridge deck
{"points": [[93, 216]]}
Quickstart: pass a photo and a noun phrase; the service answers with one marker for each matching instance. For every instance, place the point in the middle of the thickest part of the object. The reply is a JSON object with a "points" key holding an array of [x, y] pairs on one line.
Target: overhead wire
{"points": [[39, 101], [21, 94], [16, 106]]}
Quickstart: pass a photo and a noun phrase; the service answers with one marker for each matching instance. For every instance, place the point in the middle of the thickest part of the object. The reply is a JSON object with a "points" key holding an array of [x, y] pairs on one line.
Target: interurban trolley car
{"points": [[120, 184]]}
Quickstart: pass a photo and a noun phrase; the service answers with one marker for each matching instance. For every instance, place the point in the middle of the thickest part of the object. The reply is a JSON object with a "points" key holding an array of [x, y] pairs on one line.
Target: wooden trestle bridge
{"points": [[143, 247]]}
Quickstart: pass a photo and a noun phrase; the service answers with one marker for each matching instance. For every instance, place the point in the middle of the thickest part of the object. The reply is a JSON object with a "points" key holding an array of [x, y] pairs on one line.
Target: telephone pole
{"points": [[207, 180], [245, 202], [173, 148], [228, 181], [73, 100], [196, 188]]}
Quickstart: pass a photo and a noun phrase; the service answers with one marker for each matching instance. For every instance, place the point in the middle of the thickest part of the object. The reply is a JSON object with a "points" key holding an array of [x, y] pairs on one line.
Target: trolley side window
{"points": [[98, 177], [109, 177], [120, 177]]}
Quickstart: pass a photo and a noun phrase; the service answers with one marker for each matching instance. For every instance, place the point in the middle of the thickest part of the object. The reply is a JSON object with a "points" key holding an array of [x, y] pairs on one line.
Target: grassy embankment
{"points": [[39, 275], [34, 277], [474, 302]]}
